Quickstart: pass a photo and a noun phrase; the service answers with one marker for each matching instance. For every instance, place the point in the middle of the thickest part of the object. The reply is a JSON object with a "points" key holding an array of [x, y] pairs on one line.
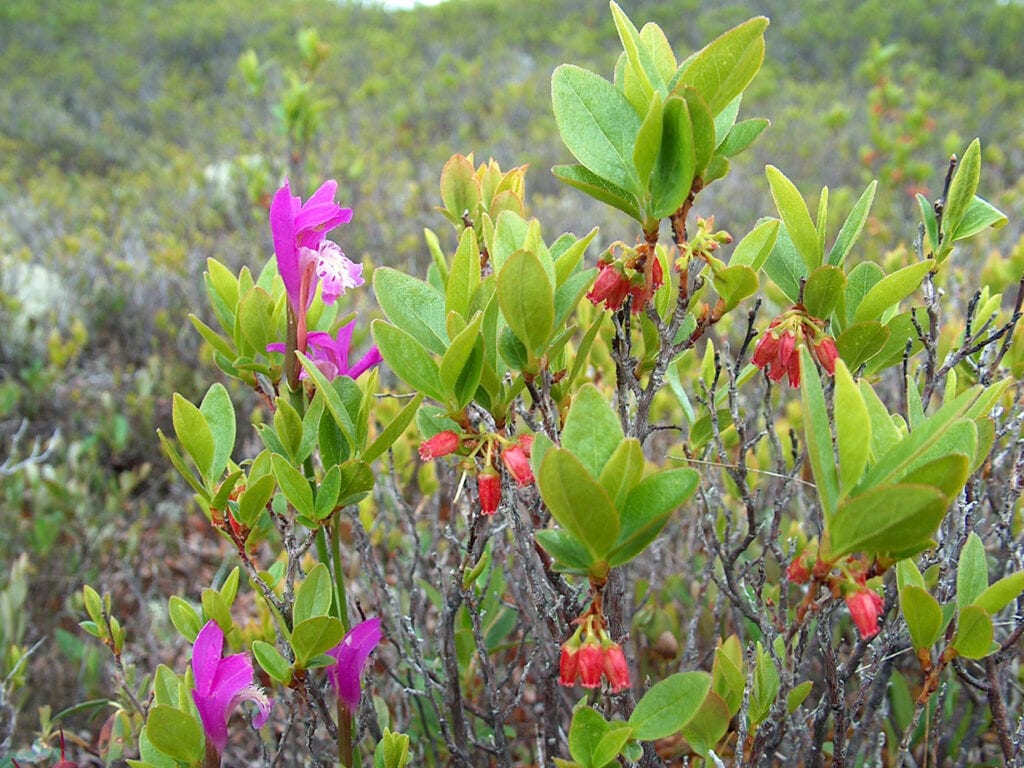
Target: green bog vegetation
{"points": [[511, 384]]}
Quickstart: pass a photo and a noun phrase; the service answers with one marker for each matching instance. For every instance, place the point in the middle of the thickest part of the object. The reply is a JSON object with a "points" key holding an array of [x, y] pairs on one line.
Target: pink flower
{"points": [[615, 668], [643, 291], [488, 484], [518, 465], [352, 654], [865, 607], [441, 444], [330, 354], [303, 255], [221, 684]]}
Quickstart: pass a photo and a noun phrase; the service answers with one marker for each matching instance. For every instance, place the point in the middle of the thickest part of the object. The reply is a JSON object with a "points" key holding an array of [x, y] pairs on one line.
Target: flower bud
{"points": [[798, 572], [827, 353], [441, 444]]}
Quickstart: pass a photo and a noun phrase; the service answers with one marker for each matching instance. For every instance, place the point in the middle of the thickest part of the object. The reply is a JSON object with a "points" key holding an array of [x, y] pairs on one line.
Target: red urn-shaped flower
{"points": [[865, 607], [777, 350], [568, 664], [610, 287], [827, 353], [798, 572], [488, 483], [615, 668], [441, 444], [518, 465], [591, 664]]}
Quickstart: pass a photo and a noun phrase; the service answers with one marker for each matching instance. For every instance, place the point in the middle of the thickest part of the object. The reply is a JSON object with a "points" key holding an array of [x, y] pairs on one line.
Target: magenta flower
{"points": [[352, 654], [330, 354], [222, 684], [303, 254]]}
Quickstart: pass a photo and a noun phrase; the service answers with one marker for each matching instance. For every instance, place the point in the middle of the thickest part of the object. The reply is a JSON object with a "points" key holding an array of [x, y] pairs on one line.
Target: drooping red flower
{"points": [[518, 465], [827, 353], [611, 286], [441, 444], [488, 485], [590, 659], [865, 607], [568, 664], [644, 290], [615, 668]]}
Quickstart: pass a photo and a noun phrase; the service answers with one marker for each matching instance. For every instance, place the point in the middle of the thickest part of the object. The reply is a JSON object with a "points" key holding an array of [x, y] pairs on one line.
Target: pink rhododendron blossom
{"points": [[303, 254], [352, 654], [221, 684], [330, 354]]}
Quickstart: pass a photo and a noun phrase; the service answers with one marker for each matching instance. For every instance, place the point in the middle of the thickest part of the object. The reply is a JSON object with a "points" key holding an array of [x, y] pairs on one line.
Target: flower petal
{"points": [[282, 228], [352, 654], [206, 652]]}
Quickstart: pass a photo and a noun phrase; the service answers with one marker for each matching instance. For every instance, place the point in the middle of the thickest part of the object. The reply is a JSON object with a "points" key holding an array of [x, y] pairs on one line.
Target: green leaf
{"points": [[891, 290], [462, 365], [578, 502], [648, 140], [568, 552], [885, 519], [464, 277], [184, 618], [408, 359], [727, 679], [996, 597], [852, 227], [183, 469], [884, 433], [973, 638], [568, 261], [818, 434], [600, 189], [753, 250], [623, 471], [971, 572], [592, 431], [853, 429], [294, 485], [861, 341], [734, 284], [709, 725], [357, 480], [923, 615], [195, 435], [669, 705], [741, 136], [962, 189], [648, 508], [765, 688], [272, 662], [907, 574], [256, 320], [175, 733], [314, 636], [725, 66], [413, 306], [314, 595], [675, 163], [980, 215], [585, 731], [459, 190], [526, 297], [393, 430], [824, 288], [702, 125], [255, 499], [797, 695], [597, 124], [288, 428], [793, 211]]}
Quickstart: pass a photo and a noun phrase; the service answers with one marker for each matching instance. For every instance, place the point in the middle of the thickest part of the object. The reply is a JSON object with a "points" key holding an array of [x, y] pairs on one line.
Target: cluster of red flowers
{"points": [[638, 275], [865, 605], [586, 664], [515, 455], [776, 351]]}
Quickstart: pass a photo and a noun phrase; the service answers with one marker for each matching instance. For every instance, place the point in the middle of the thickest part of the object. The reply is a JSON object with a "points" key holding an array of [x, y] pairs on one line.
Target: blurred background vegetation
{"points": [[140, 137]]}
